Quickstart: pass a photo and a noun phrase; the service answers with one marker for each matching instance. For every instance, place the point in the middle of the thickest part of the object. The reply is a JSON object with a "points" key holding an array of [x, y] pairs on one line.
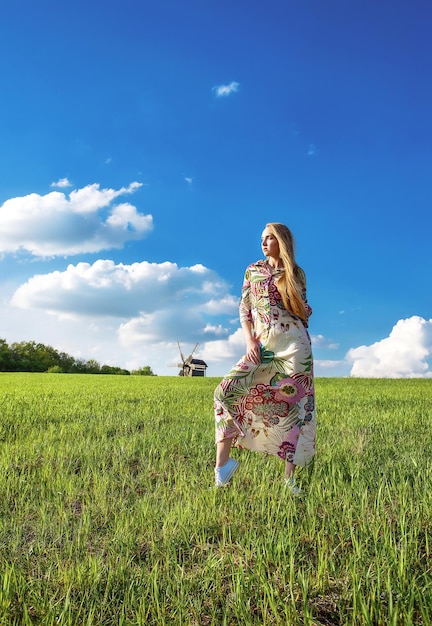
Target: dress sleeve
{"points": [[245, 309]]}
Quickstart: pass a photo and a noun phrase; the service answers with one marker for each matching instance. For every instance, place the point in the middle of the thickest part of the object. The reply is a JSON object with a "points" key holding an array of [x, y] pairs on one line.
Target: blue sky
{"points": [[145, 144]]}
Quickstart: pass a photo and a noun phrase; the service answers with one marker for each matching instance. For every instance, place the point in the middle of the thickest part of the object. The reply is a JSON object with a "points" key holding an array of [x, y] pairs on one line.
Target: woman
{"points": [[266, 402]]}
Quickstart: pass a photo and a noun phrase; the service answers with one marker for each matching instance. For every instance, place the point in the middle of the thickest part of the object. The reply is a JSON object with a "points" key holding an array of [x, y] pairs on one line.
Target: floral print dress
{"points": [[270, 407]]}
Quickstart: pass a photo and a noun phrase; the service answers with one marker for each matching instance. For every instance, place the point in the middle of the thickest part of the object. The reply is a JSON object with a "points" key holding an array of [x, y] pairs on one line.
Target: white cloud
{"points": [[225, 351], [154, 302], [86, 221], [217, 330], [403, 354], [319, 341], [327, 367], [90, 198], [189, 180], [328, 364], [165, 325], [227, 304], [226, 90], [106, 289], [63, 182], [312, 150], [126, 315]]}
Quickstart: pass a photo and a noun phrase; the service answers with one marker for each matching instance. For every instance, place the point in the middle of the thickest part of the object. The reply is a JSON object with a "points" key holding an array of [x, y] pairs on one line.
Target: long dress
{"points": [[270, 407]]}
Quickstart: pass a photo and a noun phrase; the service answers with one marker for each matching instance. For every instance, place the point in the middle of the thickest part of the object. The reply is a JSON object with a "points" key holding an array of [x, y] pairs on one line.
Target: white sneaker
{"points": [[224, 474], [292, 487]]}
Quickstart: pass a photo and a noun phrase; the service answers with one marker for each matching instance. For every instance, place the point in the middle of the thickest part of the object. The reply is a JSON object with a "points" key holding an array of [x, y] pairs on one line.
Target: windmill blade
{"points": [[196, 346], [180, 350]]}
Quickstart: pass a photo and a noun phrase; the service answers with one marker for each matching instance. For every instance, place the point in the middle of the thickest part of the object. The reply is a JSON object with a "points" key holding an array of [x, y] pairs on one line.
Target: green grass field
{"points": [[109, 515]]}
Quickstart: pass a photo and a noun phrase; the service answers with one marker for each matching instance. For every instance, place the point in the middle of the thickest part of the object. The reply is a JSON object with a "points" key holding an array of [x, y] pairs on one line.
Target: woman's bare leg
{"points": [[223, 449], [289, 470]]}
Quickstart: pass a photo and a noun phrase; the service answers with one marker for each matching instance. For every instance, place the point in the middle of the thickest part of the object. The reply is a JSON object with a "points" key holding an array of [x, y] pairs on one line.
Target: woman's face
{"points": [[269, 244]]}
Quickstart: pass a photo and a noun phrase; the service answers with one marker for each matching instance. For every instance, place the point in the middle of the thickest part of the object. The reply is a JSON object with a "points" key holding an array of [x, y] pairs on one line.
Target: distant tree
{"points": [[29, 356], [79, 367], [144, 371], [109, 369], [93, 367], [5, 356], [47, 356], [66, 361]]}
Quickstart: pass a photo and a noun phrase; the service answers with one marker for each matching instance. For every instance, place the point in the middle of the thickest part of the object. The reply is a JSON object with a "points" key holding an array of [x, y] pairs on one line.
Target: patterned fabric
{"points": [[270, 407]]}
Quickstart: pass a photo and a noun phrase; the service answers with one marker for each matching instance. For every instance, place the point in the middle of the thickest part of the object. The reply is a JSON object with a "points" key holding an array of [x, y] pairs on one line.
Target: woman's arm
{"points": [[252, 344]]}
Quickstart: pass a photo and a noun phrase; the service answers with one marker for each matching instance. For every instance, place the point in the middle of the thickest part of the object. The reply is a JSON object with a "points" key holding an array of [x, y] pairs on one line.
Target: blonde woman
{"points": [[266, 402]]}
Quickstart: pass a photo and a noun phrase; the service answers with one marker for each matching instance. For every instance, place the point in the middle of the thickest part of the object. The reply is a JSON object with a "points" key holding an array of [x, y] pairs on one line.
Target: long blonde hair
{"points": [[292, 282]]}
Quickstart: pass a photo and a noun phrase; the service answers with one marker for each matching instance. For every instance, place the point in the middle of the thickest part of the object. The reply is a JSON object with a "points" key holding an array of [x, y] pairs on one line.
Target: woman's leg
{"points": [[289, 470], [223, 449]]}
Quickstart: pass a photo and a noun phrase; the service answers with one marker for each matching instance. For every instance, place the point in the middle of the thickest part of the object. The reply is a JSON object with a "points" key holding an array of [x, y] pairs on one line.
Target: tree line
{"points": [[29, 356]]}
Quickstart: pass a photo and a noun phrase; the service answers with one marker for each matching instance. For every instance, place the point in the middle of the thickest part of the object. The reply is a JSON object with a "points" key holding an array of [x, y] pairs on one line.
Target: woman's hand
{"points": [[253, 350]]}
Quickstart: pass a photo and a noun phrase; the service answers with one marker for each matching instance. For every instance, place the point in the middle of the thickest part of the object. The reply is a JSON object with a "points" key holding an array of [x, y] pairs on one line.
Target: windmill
{"points": [[191, 366]]}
